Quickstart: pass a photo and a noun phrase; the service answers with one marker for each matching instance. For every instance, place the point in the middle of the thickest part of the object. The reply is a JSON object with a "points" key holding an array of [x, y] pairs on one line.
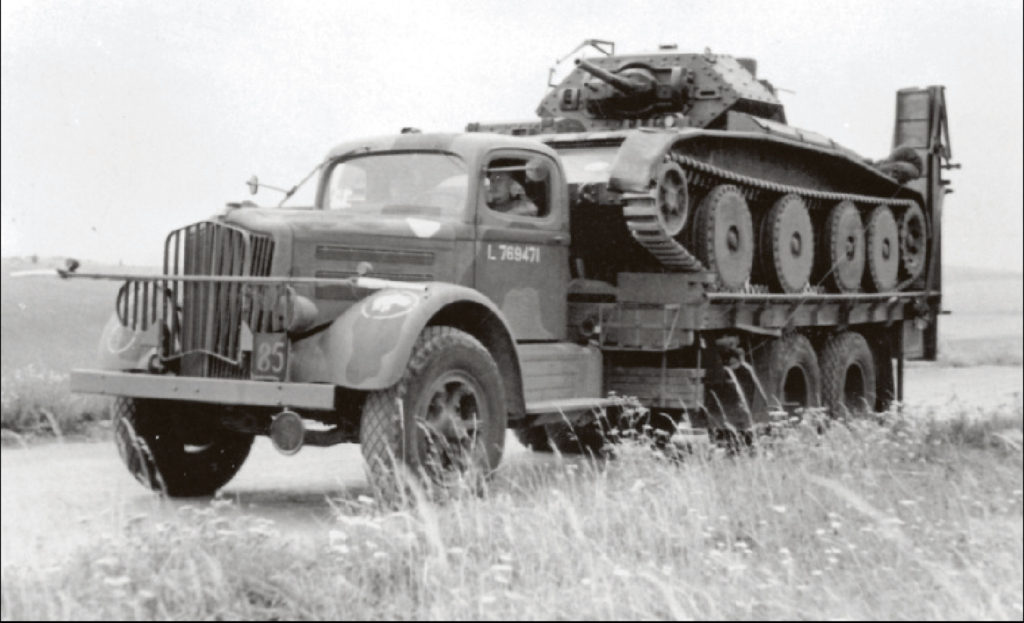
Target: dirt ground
{"points": [[56, 496]]}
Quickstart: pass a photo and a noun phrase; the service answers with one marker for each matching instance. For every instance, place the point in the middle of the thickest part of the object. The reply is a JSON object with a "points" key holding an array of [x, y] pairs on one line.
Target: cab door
{"points": [[522, 259]]}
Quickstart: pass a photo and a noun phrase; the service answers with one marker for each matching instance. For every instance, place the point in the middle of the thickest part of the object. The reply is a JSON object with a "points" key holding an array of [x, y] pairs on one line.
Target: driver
{"points": [[506, 195]]}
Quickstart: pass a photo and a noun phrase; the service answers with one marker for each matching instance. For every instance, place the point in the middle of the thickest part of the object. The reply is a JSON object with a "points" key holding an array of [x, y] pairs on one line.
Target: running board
{"points": [[552, 411]]}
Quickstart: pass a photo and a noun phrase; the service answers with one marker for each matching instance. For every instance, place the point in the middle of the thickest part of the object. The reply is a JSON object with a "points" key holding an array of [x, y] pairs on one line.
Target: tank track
{"points": [[640, 210]]}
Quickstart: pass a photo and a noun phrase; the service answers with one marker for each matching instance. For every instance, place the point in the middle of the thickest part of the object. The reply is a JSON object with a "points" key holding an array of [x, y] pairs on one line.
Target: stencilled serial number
{"points": [[514, 253]]}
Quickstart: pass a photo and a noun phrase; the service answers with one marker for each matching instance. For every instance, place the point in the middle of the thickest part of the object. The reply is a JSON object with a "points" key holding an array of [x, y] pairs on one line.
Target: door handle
{"points": [[560, 238]]}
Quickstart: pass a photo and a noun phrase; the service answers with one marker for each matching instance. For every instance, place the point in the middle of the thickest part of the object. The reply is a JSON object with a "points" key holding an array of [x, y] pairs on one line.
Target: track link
{"points": [[640, 210]]}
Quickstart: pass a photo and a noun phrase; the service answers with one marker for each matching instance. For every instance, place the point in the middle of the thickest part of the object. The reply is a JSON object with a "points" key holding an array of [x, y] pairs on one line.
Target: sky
{"points": [[124, 120]]}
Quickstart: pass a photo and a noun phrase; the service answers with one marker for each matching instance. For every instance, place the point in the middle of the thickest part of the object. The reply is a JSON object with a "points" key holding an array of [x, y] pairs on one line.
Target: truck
{"points": [[658, 233]]}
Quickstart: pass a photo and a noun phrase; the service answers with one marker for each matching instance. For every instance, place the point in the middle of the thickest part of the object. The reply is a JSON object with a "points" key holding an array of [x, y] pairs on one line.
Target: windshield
{"points": [[417, 183], [586, 165]]}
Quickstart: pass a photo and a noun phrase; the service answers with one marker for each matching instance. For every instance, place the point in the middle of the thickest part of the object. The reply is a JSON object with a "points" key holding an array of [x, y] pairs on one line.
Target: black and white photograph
{"points": [[464, 310]]}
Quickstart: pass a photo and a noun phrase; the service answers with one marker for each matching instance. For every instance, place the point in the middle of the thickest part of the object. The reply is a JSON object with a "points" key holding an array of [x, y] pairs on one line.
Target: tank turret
{"points": [[665, 88]]}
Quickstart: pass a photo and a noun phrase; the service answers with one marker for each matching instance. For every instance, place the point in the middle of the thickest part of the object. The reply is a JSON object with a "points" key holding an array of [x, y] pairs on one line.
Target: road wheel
{"points": [[787, 369], [787, 244], [848, 375], [445, 417], [883, 250], [176, 448], [724, 236], [841, 260]]}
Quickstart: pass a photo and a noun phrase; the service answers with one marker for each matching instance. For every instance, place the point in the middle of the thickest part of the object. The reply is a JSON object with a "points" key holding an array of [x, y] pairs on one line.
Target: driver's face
{"points": [[498, 188]]}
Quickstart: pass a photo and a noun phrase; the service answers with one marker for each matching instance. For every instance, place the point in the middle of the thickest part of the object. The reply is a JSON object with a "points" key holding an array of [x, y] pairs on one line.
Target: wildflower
{"points": [[621, 573], [117, 582], [366, 500], [488, 599], [778, 508], [107, 561]]}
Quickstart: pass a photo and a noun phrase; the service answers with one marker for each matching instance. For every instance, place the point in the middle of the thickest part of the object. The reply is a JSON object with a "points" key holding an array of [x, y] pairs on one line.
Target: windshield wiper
{"points": [[254, 184]]}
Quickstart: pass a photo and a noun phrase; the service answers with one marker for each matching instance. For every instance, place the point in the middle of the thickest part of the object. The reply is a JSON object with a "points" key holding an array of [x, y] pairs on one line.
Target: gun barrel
{"points": [[618, 82]]}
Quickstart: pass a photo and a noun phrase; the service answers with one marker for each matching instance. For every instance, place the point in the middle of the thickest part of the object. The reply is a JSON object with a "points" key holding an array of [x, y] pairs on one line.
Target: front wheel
{"points": [[446, 416], [177, 448]]}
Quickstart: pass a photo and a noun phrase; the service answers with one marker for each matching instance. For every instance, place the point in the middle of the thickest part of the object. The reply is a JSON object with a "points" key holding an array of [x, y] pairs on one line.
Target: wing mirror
{"points": [[536, 171]]}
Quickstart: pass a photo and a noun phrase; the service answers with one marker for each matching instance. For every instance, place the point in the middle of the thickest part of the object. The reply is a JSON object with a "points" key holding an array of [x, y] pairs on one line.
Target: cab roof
{"points": [[466, 144]]}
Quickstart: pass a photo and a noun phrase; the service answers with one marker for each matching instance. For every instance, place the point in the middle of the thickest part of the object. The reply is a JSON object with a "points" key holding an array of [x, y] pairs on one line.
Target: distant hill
{"points": [[55, 323], [968, 273]]}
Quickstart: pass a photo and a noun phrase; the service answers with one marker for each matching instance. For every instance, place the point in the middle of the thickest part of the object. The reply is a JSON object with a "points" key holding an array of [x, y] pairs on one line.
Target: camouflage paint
{"points": [[368, 346]]}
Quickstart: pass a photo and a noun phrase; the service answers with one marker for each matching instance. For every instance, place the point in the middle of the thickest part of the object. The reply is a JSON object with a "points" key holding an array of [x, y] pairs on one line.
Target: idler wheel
{"points": [[842, 263], [673, 198], [724, 236], [883, 250], [787, 241], [913, 242]]}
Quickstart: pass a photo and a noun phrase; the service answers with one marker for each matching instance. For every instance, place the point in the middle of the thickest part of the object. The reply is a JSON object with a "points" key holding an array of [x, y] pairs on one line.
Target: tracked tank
{"points": [[684, 162]]}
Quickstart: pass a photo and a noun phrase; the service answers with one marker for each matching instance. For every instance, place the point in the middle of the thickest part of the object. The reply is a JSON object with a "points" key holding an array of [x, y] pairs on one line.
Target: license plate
{"points": [[270, 356]]}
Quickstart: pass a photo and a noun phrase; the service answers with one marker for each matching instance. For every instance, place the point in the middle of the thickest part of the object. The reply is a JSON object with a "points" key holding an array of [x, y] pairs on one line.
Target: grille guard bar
{"points": [[235, 307]]}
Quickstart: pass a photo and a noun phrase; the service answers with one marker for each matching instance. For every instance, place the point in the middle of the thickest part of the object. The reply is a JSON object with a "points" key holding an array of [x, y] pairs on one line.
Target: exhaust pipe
{"points": [[287, 432]]}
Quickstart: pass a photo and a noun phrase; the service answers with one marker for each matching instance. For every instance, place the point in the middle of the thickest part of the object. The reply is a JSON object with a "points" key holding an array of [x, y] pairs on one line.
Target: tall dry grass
{"points": [[907, 518], [37, 401]]}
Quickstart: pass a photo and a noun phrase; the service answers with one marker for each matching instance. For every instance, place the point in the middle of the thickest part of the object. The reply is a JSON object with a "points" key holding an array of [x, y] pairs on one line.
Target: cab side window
{"points": [[519, 187]]}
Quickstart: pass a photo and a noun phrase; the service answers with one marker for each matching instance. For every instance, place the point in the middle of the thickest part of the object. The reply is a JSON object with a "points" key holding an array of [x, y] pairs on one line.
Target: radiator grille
{"points": [[205, 331]]}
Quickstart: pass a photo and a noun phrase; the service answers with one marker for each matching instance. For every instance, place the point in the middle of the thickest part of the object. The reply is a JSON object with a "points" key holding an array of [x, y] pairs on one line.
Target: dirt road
{"points": [[56, 496]]}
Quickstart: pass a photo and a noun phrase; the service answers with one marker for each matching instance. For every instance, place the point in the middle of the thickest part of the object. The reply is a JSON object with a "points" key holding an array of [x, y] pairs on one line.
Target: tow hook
{"points": [[287, 432]]}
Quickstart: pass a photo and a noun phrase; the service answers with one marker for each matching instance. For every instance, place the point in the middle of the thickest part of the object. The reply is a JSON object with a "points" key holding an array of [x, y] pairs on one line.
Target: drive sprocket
{"points": [[723, 234], [787, 244], [913, 242], [883, 251], [842, 257]]}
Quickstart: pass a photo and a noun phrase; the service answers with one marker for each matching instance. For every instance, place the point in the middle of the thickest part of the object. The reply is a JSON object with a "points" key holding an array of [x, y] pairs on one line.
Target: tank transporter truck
{"points": [[658, 233]]}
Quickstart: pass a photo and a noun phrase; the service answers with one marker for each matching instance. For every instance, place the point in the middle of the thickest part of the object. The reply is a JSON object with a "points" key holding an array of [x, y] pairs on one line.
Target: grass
{"points": [[970, 352], [36, 401], [912, 517]]}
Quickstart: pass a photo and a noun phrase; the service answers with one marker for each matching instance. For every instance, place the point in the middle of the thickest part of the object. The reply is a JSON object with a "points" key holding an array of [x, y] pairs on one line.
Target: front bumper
{"points": [[320, 396]]}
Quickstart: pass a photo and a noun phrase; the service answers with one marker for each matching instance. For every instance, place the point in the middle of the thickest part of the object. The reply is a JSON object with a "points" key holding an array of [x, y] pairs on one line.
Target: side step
{"points": [[553, 411]]}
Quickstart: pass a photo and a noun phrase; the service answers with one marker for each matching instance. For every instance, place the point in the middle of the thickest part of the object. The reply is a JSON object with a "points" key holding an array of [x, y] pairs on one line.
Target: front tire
{"points": [[444, 417], [168, 449]]}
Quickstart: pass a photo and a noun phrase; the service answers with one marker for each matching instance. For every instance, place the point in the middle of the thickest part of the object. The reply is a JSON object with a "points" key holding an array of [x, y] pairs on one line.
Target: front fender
{"points": [[121, 348], [368, 346]]}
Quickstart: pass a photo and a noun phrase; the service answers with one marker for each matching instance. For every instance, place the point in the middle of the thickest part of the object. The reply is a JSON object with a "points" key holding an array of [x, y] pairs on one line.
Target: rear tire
{"points": [[848, 378], [182, 454], [586, 438], [535, 438], [445, 417], [788, 371]]}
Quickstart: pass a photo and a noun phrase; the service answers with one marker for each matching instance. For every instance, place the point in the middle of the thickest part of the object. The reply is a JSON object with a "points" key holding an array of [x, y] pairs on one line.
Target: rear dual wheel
{"points": [[588, 438], [788, 373], [848, 375]]}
